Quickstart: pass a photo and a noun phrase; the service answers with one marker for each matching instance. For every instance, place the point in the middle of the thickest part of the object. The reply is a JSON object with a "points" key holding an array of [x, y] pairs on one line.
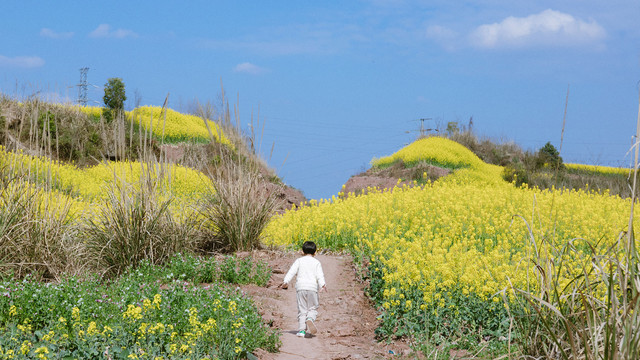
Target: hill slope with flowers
{"points": [[93, 207], [445, 258], [444, 255]]}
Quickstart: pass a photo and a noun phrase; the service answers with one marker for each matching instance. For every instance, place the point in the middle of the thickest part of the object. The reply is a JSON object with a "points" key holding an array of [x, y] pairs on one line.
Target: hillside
{"points": [[81, 136], [432, 158], [452, 261], [92, 206], [453, 248]]}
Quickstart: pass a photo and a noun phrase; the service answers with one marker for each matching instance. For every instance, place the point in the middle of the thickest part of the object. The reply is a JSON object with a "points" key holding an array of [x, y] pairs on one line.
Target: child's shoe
{"points": [[301, 333], [311, 327]]}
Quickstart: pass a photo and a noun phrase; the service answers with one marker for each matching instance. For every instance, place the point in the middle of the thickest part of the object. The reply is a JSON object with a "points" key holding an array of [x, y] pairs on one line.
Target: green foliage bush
{"points": [[114, 98], [549, 156], [453, 318], [516, 173], [144, 313]]}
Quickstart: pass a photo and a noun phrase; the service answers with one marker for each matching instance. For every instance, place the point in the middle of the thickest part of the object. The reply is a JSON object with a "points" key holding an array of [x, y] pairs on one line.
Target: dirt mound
{"points": [[388, 178], [287, 195]]}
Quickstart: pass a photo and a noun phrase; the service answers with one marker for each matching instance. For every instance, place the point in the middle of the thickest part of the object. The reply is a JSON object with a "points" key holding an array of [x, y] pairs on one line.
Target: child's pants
{"points": [[307, 307]]}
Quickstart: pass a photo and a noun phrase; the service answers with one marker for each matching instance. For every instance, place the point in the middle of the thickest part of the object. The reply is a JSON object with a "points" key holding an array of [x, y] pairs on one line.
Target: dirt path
{"points": [[346, 320]]}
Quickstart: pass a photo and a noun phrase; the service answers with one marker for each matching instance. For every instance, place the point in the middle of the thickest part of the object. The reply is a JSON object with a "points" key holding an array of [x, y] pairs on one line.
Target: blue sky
{"points": [[337, 83]]}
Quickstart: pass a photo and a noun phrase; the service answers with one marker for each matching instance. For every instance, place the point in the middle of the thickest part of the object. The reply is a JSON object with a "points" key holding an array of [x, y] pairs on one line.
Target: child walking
{"points": [[310, 279]]}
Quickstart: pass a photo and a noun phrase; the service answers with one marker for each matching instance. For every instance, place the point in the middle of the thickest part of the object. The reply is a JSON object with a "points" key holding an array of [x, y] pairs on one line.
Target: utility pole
{"points": [[423, 131], [82, 86]]}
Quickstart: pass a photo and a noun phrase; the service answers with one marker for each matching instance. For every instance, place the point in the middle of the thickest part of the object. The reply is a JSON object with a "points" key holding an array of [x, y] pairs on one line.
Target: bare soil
{"points": [[389, 178], [346, 319]]}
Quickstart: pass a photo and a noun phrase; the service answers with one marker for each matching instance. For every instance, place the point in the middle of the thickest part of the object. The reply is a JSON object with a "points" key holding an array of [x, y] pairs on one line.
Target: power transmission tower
{"points": [[82, 86]]}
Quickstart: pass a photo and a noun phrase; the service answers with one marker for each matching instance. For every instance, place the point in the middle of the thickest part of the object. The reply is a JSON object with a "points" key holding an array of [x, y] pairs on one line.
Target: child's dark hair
{"points": [[309, 247]]}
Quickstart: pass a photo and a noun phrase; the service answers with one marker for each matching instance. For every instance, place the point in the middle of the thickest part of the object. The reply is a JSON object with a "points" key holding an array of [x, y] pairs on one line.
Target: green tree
{"points": [[114, 98], [548, 155]]}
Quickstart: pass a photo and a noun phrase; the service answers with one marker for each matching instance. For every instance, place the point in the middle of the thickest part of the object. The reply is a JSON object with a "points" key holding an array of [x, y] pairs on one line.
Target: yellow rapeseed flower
{"points": [[42, 352], [468, 231]]}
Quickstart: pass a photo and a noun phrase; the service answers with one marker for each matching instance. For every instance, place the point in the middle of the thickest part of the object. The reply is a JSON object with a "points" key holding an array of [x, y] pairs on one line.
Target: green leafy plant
{"points": [[593, 316], [549, 156], [114, 98], [244, 271], [136, 315]]}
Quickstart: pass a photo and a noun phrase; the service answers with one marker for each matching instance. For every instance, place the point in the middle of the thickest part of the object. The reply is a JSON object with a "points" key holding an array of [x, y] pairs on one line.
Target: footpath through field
{"points": [[346, 320]]}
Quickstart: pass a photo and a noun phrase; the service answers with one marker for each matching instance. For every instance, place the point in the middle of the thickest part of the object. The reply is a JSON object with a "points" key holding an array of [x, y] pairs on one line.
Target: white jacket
{"points": [[309, 271]]}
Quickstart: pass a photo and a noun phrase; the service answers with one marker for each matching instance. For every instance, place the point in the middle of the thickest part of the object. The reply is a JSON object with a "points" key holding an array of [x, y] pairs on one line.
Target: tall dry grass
{"points": [[136, 224], [239, 208], [595, 315], [243, 199], [37, 235]]}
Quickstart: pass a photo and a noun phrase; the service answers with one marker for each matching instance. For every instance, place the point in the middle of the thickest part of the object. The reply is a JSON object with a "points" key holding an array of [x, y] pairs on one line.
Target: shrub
{"points": [[114, 98], [135, 224], [36, 232], [515, 173], [242, 200], [592, 315], [549, 156], [489, 151], [238, 208]]}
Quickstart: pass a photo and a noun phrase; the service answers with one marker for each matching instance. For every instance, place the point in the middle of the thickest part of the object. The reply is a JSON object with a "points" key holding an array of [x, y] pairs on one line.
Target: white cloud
{"points": [[548, 28], [105, 31], [21, 61], [46, 32], [249, 68]]}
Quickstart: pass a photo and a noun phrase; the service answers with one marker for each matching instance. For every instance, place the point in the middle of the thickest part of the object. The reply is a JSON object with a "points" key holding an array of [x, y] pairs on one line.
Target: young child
{"points": [[310, 279]]}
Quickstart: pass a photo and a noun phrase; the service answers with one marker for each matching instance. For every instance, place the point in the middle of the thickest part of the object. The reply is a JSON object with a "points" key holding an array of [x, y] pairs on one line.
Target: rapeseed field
{"points": [[90, 185], [449, 251], [176, 126], [172, 128], [596, 169]]}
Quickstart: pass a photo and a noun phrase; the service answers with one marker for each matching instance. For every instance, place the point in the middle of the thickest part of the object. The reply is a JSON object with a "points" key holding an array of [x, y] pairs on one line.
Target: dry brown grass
{"points": [[595, 315], [37, 236], [135, 224], [242, 203]]}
